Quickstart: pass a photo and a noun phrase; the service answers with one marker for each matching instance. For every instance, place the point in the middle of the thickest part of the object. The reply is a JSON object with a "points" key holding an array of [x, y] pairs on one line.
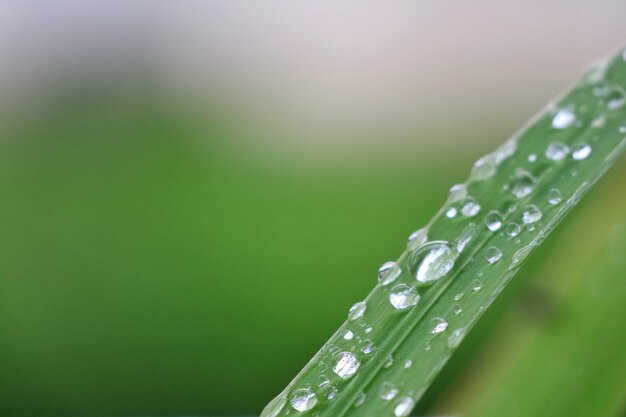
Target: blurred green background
{"points": [[193, 193]]}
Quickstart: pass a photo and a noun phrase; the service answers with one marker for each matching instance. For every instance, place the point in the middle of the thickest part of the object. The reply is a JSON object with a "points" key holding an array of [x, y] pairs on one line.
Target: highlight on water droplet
{"points": [[356, 311], [523, 183], [274, 407], [347, 364], [493, 254], [403, 296], [403, 407], [493, 220], [303, 399], [417, 238], [451, 212], [469, 207], [563, 118], [581, 151], [388, 391], [348, 335], [556, 151], [531, 214], [439, 325], [388, 273], [431, 261], [554, 197]]}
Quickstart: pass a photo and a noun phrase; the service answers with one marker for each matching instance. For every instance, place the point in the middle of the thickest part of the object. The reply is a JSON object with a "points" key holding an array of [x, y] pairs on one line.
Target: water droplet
{"points": [[622, 127], [303, 399], [563, 118], [356, 311], [417, 238], [598, 121], [493, 254], [359, 399], [459, 296], [408, 363], [457, 309], [581, 151], [368, 329], [512, 229], [348, 335], [532, 158], [469, 207], [439, 325], [615, 98], [477, 285], [388, 362], [531, 214], [388, 391], [523, 183], [451, 212], [457, 192], [465, 237], [367, 346], [556, 151], [346, 365], [554, 197], [493, 220], [403, 296], [456, 337], [432, 261], [328, 390], [404, 406], [388, 273], [274, 407], [484, 168]]}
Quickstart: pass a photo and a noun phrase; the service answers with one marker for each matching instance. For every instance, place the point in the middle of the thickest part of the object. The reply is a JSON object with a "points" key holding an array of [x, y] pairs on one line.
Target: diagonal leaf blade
{"points": [[381, 361]]}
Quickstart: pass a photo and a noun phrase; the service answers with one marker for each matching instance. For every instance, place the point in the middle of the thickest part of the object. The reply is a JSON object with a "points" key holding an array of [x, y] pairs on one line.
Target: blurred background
{"points": [[181, 182]]}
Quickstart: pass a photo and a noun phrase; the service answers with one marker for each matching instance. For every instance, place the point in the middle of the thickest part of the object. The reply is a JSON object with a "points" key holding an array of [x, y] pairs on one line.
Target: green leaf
{"points": [[381, 361]]}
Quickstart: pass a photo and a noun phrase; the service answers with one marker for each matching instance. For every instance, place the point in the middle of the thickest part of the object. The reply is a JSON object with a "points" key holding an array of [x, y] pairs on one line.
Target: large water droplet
{"points": [[556, 151], [303, 399], [493, 220], [417, 238], [274, 407], [581, 151], [404, 406], [388, 273], [493, 254], [403, 296], [347, 365], [388, 391], [439, 325], [563, 118], [531, 214], [432, 261], [356, 311], [484, 168], [554, 197], [469, 207], [523, 184]]}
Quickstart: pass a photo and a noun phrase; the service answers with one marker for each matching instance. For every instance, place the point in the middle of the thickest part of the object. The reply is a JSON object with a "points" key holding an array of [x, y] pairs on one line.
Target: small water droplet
{"points": [[457, 309], [622, 127], [368, 329], [456, 337], [432, 261], [403, 407], [303, 399], [556, 151], [554, 197], [493, 220], [356, 311], [598, 121], [469, 207], [477, 285], [531, 214], [459, 296], [465, 237], [483, 169], [512, 229], [348, 335], [523, 183], [328, 390], [347, 365], [388, 362], [439, 325], [367, 346], [563, 118], [615, 98], [417, 238], [408, 363], [388, 273], [493, 254], [388, 391], [457, 192], [359, 399], [274, 407], [581, 151], [403, 296], [532, 158]]}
